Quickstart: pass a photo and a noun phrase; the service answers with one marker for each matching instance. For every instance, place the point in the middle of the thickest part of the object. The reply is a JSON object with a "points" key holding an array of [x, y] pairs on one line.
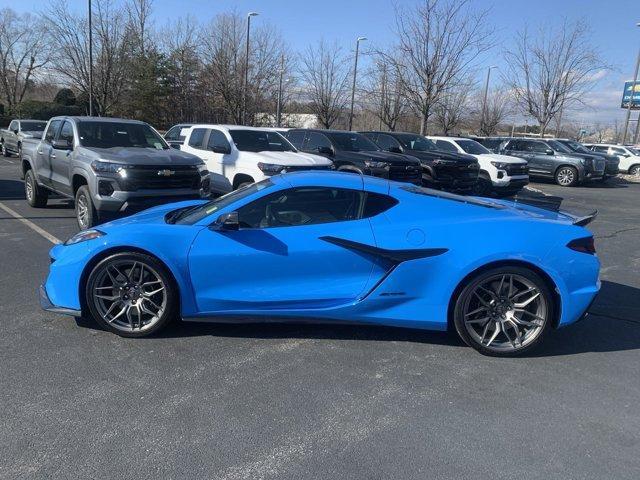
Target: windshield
{"points": [[119, 134], [633, 150], [33, 126], [260, 141], [576, 147], [471, 146], [351, 142], [415, 142], [557, 146], [197, 213]]}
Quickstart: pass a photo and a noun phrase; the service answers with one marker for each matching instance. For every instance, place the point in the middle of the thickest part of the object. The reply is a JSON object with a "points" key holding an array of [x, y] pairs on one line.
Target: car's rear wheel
{"points": [[36, 195], [567, 177], [131, 294], [634, 170], [504, 311], [86, 214]]}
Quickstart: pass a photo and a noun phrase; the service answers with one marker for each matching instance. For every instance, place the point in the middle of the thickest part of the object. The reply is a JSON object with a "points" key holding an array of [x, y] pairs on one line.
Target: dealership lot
{"points": [[308, 401]]}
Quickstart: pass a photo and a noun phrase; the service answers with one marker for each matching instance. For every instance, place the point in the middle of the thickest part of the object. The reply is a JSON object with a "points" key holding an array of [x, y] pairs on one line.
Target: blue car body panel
{"points": [[400, 267]]}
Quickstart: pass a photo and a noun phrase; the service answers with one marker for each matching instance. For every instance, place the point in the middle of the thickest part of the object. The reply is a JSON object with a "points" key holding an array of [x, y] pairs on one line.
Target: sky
{"points": [[303, 22]]}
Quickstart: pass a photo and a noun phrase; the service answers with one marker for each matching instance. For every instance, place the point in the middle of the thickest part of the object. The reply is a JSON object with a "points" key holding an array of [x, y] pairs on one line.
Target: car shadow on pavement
{"points": [[11, 190]]}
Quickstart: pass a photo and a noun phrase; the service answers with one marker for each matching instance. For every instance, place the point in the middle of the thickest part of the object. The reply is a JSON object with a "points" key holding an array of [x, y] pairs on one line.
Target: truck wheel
{"points": [[482, 187], [567, 177], [36, 195], [634, 170], [5, 152], [86, 214]]}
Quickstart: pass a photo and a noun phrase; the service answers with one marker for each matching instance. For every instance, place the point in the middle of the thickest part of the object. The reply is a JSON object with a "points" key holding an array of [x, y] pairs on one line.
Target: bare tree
{"points": [[325, 78], [383, 94], [71, 59], [24, 50], [438, 42], [499, 107], [452, 109], [552, 70]]}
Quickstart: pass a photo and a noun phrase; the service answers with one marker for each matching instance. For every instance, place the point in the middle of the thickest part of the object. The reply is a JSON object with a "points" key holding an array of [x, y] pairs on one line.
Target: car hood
{"points": [[287, 158], [501, 158], [379, 156], [142, 156], [460, 158], [153, 215]]}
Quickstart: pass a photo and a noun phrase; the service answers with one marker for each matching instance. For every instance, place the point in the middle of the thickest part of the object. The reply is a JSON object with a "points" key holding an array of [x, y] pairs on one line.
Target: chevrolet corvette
{"points": [[334, 247]]}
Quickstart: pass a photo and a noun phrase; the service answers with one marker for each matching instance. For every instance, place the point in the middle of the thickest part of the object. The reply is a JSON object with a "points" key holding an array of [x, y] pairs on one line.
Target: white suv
{"points": [[243, 155], [629, 157], [501, 174]]}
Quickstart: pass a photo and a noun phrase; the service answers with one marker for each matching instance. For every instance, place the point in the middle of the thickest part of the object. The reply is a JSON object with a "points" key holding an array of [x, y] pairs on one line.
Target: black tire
{"points": [[567, 176], [5, 151], [469, 327], [634, 170], [482, 187], [36, 196], [96, 305], [86, 214], [20, 151]]}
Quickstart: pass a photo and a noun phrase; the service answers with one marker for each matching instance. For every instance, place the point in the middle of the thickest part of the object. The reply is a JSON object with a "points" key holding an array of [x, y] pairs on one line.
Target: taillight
{"points": [[584, 245]]}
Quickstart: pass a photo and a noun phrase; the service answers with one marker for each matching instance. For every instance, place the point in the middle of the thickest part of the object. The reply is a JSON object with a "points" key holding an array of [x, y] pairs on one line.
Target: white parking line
{"points": [[30, 224]]}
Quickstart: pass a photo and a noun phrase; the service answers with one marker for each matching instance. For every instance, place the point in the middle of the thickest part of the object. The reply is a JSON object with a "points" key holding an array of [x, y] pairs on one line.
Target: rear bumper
{"points": [[46, 304]]}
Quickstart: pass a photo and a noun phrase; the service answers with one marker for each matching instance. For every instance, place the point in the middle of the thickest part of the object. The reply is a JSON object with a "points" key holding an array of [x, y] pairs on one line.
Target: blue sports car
{"points": [[334, 247]]}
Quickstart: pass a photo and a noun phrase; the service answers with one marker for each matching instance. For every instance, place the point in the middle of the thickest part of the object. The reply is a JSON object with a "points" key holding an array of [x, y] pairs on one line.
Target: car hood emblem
{"points": [[165, 173]]}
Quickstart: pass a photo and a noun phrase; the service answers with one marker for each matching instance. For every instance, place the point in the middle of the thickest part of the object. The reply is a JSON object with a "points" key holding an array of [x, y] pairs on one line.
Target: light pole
{"points": [[279, 104], [246, 69], [90, 63], [633, 90], [353, 87], [484, 97]]}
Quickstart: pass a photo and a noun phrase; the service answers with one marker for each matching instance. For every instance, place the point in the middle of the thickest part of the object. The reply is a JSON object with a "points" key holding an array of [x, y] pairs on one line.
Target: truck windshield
{"points": [[352, 142], [415, 142], [559, 147], [119, 134], [471, 146], [33, 126], [260, 141]]}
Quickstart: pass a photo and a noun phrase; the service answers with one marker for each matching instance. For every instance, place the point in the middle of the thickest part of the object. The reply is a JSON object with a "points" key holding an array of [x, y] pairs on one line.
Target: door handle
{"points": [[53, 155], [39, 152]]}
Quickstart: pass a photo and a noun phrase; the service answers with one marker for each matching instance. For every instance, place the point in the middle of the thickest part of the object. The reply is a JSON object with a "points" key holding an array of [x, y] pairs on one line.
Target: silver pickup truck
{"points": [[108, 165], [13, 137]]}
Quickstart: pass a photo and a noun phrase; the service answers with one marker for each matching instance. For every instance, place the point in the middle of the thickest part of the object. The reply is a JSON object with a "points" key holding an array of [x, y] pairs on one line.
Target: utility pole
{"points": [[90, 63], [636, 136], [484, 98], [633, 90], [353, 87], [246, 70], [279, 104]]}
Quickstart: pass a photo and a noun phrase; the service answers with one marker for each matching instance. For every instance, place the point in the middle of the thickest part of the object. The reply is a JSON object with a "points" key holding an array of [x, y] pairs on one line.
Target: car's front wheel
{"points": [[36, 196], [634, 170], [567, 177], [86, 214], [131, 294], [5, 152], [504, 311]]}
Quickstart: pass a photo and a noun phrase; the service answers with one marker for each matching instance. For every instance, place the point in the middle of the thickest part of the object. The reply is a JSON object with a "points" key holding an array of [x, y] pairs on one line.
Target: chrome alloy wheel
{"points": [[129, 295], [566, 176], [28, 188], [83, 212], [505, 312]]}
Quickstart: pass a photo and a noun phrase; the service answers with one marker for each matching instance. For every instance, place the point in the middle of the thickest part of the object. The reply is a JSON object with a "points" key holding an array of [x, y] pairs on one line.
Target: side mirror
{"points": [[227, 221], [15, 130], [325, 150], [220, 149], [62, 145], [395, 149], [549, 151]]}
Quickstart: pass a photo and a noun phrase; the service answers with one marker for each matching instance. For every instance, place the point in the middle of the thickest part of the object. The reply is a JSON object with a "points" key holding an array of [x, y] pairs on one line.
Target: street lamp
{"points": [[484, 98], [246, 69], [633, 90], [90, 63], [353, 87]]}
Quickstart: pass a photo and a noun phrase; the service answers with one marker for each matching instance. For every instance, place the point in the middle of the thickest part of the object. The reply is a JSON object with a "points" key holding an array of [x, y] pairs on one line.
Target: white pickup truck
{"points": [[12, 138], [237, 155]]}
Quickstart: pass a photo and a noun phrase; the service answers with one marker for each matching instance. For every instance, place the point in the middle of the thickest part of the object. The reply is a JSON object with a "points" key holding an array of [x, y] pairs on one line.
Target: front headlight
{"points": [[84, 236], [202, 168], [100, 166], [499, 165], [375, 164], [270, 168]]}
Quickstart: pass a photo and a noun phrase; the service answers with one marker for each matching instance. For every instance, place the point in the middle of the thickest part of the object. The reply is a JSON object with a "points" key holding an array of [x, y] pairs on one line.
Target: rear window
{"points": [[33, 126], [376, 203], [197, 137]]}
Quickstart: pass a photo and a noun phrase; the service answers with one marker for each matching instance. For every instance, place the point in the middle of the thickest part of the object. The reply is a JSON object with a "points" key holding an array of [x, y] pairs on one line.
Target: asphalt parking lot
{"points": [[307, 401]]}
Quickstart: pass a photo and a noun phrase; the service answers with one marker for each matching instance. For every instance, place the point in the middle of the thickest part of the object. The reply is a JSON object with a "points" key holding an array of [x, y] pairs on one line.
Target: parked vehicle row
{"points": [[628, 157], [13, 137]]}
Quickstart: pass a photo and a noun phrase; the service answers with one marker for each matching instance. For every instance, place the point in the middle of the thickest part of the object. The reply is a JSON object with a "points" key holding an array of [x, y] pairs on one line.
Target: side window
{"points": [[386, 142], [302, 206], [618, 151], [296, 137], [197, 138], [13, 125], [172, 134], [446, 146], [315, 141], [376, 203], [51, 131], [66, 133], [218, 142], [537, 147]]}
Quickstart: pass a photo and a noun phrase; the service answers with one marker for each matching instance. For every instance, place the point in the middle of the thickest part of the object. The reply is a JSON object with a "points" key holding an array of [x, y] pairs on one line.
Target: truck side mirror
{"points": [[62, 145], [395, 150]]}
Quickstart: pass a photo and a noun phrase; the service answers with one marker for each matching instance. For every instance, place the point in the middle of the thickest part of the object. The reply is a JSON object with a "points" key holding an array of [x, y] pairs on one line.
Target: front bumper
{"points": [[46, 304], [120, 201]]}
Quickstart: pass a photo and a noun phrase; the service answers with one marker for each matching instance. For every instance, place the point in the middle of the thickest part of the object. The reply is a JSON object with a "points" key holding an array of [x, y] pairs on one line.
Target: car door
{"points": [[280, 258], [222, 157], [540, 158], [11, 138], [44, 169], [60, 159], [446, 146]]}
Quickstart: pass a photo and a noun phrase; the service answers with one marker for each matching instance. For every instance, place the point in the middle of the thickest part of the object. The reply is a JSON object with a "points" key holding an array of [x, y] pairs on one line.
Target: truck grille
{"points": [[517, 169], [161, 178], [599, 165], [406, 173]]}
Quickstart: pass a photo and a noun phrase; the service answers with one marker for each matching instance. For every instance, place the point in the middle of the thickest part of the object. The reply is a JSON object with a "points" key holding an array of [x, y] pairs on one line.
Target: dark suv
{"points": [[445, 170], [612, 163], [353, 152], [551, 159]]}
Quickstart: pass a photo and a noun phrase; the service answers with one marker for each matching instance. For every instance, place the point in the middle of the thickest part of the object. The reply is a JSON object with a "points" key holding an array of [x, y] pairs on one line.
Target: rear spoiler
{"points": [[585, 220]]}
